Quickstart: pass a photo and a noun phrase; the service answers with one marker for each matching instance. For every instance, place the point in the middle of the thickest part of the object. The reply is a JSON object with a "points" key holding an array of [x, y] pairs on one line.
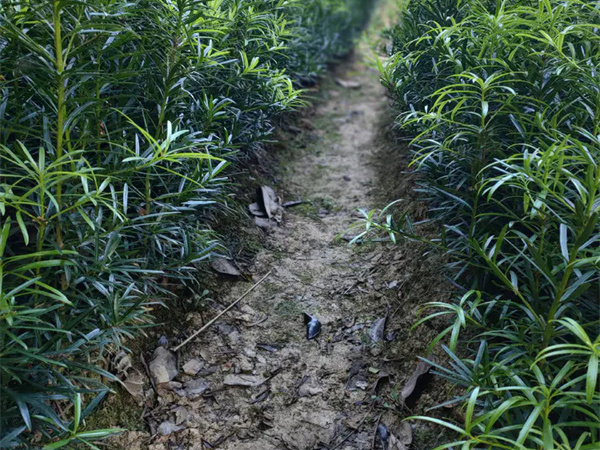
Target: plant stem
{"points": [[61, 108]]}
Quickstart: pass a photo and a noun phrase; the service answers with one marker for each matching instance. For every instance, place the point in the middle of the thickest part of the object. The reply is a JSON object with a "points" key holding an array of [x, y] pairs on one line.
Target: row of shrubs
{"points": [[500, 100], [118, 120]]}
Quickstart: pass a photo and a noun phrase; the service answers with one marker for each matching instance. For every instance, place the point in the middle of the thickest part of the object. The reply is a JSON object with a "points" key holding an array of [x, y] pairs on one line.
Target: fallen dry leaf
{"points": [[268, 201], [134, 384], [421, 369], [225, 267], [378, 329]]}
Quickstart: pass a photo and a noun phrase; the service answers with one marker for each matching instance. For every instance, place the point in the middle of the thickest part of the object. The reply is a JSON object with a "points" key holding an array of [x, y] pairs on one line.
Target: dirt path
{"points": [[260, 383]]}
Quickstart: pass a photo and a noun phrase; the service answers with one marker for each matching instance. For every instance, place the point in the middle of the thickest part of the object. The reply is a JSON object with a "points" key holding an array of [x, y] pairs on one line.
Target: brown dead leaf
{"points": [[134, 384], [378, 329], [268, 201], [421, 369], [225, 267]]}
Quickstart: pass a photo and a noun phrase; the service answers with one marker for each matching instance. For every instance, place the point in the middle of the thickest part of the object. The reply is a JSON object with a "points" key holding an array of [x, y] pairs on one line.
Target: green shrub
{"points": [[500, 100], [117, 122]]}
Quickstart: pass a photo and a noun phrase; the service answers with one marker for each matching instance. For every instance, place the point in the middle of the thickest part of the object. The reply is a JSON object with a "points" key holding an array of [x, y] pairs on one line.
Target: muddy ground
{"points": [[253, 380]]}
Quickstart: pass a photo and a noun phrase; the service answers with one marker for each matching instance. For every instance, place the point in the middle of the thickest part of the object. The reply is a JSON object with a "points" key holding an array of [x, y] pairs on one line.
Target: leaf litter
{"points": [[268, 208], [260, 382], [422, 368], [225, 266]]}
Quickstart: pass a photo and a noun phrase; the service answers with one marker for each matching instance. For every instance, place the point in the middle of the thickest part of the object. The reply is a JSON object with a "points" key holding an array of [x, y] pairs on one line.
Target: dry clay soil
{"points": [[261, 384]]}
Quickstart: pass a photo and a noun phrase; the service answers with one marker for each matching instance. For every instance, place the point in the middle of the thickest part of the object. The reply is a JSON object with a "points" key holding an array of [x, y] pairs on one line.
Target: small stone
{"points": [[193, 366], [181, 415], [346, 178], [163, 366]]}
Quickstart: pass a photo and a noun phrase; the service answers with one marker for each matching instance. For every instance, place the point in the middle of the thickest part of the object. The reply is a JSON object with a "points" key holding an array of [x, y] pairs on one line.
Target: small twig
{"points": [[217, 442], [273, 374], [260, 397], [290, 204], [147, 369], [375, 432], [296, 395], [258, 322], [222, 312], [355, 430]]}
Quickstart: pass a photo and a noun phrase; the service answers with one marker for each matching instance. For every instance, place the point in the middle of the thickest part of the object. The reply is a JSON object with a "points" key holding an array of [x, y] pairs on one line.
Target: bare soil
{"points": [[333, 391]]}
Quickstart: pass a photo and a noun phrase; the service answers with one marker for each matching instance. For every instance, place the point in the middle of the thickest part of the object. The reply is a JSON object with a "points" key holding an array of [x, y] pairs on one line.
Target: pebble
{"points": [[163, 366], [193, 366]]}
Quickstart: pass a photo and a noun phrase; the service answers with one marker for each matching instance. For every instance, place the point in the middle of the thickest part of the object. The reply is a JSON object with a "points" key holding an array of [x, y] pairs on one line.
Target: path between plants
{"points": [[330, 392]]}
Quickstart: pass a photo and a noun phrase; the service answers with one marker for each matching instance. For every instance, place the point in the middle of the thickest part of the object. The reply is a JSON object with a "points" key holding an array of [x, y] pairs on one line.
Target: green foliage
{"points": [[501, 100], [117, 122]]}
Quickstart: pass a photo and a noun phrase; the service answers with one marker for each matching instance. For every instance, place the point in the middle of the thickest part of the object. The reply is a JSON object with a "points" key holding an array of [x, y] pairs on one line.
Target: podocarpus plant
{"points": [[117, 122], [500, 100]]}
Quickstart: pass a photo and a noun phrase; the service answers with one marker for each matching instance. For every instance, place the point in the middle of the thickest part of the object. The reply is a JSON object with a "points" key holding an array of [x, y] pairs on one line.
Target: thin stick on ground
{"points": [[356, 429], [373, 443], [222, 312]]}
